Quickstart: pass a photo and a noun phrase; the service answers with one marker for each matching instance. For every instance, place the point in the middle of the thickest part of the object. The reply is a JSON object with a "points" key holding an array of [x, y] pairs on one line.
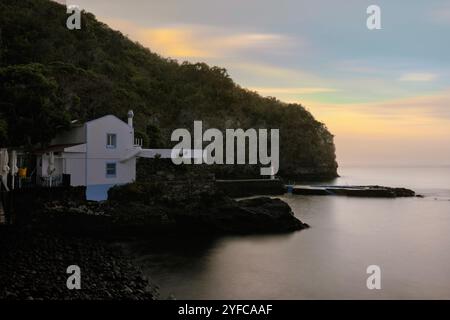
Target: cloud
{"points": [[172, 42], [292, 91], [266, 76], [253, 40], [405, 131], [293, 84], [201, 41], [268, 70], [420, 116], [359, 66], [418, 77]]}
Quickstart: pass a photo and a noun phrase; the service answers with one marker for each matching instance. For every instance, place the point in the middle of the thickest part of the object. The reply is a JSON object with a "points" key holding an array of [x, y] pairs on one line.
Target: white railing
{"points": [[53, 181], [138, 142]]}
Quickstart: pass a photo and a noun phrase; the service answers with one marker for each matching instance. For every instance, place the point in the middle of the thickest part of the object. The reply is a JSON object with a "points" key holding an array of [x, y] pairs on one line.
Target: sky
{"points": [[384, 94]]}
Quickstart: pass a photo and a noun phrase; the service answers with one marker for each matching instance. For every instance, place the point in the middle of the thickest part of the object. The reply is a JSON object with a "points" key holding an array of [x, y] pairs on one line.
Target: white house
{"points": [[92, 155], [98, 154]]}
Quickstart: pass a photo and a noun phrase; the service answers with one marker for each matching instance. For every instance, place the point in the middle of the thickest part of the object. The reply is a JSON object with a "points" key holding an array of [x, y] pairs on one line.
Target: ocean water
{"points": [[408, 238]]}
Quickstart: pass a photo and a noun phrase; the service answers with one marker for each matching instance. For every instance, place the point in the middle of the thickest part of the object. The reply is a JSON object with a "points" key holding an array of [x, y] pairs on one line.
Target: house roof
{"points": [[105, 116]]}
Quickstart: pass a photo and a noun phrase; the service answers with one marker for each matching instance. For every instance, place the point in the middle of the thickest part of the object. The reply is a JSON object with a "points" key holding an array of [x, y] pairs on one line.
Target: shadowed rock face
{"points": [[258, 215], [147, 208], [273, 211], [212, 215], [139, 206]]}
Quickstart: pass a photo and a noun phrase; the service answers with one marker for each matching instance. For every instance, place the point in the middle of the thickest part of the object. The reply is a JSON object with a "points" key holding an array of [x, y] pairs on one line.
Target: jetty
{"points": [[274, 187], [353, 191]]}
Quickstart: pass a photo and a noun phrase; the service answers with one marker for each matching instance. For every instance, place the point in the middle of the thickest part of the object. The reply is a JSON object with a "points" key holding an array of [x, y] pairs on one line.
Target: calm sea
{"points": [[409, 239]]}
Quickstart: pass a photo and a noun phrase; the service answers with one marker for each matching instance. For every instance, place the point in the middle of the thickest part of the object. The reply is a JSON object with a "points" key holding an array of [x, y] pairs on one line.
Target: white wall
{"points": [[75, 165], [98, 154]]}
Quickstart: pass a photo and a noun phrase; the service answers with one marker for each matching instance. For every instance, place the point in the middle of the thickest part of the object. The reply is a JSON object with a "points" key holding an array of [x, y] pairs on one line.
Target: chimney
{"points": [[130, 118]]}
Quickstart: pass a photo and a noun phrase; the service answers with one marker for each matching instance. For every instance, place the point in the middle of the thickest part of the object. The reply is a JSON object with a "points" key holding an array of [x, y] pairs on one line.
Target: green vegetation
{"points": [[30, 106], [50, 74]]}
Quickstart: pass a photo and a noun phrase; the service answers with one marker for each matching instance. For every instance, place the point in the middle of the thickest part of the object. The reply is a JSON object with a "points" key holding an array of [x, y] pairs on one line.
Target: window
{"points": [[111, 170], [111, 140]]}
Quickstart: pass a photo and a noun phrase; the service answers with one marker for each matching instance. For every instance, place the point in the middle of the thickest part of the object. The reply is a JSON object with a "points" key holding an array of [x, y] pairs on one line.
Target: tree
{"points": [[154, 136], [3, 132], [30, 106]]}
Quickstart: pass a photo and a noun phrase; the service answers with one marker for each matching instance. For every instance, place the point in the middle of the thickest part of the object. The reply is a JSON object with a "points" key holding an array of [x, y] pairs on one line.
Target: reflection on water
{"points": [[408, 238]]}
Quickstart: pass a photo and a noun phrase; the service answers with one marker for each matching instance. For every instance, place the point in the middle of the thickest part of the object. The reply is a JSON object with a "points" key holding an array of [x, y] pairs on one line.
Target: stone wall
{"points": [[251, 187], [165, 186], [187, 186]]}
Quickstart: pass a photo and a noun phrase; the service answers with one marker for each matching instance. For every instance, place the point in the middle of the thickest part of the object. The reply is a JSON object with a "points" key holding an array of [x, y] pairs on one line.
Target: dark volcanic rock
{"points": [[208, 215], [311, 191], [355, 191], [373, 191], [273, 211], [33, 267], [187, 211], [403, 192], [256, 215]]}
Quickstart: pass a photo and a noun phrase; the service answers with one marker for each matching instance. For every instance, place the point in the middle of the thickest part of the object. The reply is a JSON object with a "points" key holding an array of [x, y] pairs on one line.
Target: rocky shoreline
{"points": [[354, 191], [34, 264], [55, 232], [112, 220]]}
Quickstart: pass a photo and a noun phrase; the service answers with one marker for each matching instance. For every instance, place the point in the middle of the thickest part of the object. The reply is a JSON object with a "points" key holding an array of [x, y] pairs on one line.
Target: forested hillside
{"points": [[50, 75]]}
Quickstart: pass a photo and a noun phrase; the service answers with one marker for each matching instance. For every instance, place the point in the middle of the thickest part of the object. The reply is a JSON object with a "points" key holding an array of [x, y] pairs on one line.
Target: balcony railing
{"points": [[138, 142], [53, 181]]}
